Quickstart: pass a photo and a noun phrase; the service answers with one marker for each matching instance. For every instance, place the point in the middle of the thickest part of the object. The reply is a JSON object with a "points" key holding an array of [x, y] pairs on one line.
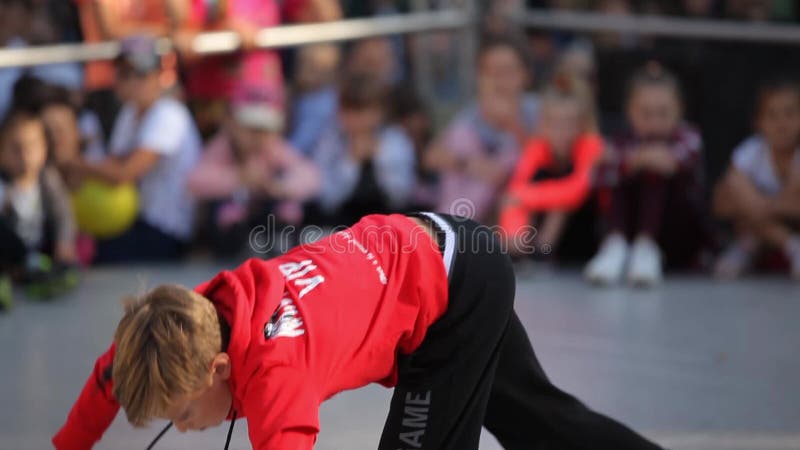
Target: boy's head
{"points": [[567, 110], [23, 148], [169, 362], [502, 67], [778, 113], [362, 103], [138, 71], [653, 102]]}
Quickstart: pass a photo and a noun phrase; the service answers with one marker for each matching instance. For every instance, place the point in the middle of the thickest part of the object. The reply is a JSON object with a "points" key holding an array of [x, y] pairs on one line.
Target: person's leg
{"points": [[515, 221], [608, 264], [142, 243], [550, 231], [645, 267], [444, 386], [12, 248], [527, 412]]}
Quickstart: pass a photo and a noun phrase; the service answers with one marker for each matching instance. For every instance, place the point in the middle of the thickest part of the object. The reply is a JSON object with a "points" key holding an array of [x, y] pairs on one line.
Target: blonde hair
{"points": [[565, 87], [165, 344]]}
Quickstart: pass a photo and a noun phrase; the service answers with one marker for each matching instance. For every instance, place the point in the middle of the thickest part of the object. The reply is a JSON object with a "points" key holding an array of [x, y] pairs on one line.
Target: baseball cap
{"points": [[140, 53]]}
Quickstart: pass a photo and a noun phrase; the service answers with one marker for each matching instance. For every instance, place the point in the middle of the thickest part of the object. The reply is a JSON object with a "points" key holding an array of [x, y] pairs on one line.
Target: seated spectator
{"points": [[554, 176], [72, 133], [37, 229], [657, 186], [155, 144], [412, 115], [478, 150], [314, 105], [760, 193], [248, 171], [367, 165]]}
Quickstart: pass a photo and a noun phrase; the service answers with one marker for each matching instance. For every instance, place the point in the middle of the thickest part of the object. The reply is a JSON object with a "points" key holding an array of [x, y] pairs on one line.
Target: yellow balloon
{"points": [[105, 211]]}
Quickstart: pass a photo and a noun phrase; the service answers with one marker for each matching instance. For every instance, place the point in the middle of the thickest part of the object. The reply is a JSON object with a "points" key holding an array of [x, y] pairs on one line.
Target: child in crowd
{"points": [[73, 133], [211, 81], [656, 194], [554, 176], [422, 303], [412, 115], [367, 165], [314, 104], [248, 171], [760, 193], [477, 152], [155, 144], [37, 228]]}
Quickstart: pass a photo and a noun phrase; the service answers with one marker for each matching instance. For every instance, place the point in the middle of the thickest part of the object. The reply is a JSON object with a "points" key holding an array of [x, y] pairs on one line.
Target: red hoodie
{"points": [[323, 318]]}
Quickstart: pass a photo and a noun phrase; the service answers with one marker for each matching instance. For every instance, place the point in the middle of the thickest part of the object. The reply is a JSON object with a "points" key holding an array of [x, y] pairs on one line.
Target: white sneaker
{"points": [[644, 268], [607, 265]]}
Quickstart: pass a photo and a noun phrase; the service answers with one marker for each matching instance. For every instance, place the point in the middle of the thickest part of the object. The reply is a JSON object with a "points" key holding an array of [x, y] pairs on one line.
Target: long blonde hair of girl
{"points": [[566, 87]]}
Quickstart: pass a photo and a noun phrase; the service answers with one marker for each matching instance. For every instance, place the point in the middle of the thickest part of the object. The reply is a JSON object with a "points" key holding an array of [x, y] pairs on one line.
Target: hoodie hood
{"points": [[244, 297]]}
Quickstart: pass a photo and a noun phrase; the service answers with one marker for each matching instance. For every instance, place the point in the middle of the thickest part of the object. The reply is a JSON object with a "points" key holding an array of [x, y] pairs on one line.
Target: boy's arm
{"points": [[282, 410], [94, 410]]}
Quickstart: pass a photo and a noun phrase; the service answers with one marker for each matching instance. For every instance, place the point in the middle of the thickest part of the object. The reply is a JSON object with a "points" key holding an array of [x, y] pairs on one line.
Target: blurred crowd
{"points": [[626, 153]]}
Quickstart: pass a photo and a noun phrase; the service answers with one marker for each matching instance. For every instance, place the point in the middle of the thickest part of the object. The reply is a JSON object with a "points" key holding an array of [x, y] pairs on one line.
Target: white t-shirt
{"points": [[166, 128], [753, 158], [28, 206]]}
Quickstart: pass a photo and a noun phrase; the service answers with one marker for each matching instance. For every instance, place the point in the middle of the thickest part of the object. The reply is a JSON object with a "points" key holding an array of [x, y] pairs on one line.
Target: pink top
{"points": [[216, 77]]}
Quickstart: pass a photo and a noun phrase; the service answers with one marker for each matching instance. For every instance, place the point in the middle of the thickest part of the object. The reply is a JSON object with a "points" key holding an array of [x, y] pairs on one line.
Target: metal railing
{"points": [[686, 28], [452, 19], [275, 37]]}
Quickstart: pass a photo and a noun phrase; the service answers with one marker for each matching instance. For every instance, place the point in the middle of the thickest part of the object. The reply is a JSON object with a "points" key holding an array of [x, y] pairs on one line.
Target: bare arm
{"points": [[120, 170]]}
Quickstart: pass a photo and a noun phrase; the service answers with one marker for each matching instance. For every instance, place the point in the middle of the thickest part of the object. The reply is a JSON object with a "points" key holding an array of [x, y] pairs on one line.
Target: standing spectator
{"points": [[24, 23], [155, 144], [249, 171], [760, 194], [367, 166], [211, 81], [107, 20], [37, 229], [314, 105], [554, 176], [477, 152], [657, 186]]}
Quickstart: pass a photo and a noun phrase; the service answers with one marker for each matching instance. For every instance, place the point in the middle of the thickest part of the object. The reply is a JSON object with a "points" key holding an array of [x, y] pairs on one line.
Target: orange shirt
{"points": [[568, 192], [146, 13]]}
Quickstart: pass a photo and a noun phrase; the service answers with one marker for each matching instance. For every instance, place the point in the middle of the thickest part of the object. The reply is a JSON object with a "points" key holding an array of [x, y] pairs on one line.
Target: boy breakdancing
{"points": [[423, 303]]}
